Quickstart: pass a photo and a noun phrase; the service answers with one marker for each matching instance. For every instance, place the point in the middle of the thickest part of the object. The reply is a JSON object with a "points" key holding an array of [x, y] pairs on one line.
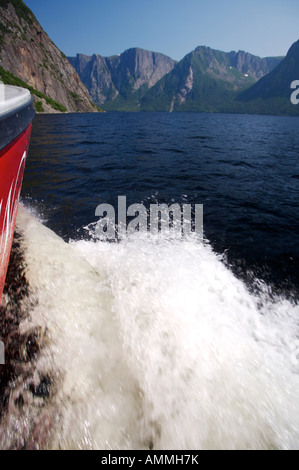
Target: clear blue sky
{"points": [[173, 27]]}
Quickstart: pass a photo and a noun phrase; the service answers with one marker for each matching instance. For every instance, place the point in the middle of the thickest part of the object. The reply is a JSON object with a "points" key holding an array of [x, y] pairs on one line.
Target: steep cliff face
{"points": [[95, 73], [27, 52], [119, 82], [254, 66], [206, 80]]}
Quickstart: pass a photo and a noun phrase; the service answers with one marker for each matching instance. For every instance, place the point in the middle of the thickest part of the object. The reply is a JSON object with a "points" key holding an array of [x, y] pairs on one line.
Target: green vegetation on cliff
{"points": [[271, 94], [30, 59], [205, 80], [9, 79], [21, 9]]}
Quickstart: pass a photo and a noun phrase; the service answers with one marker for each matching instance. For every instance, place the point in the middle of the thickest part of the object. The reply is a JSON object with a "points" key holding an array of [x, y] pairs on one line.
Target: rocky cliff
{"points": [[204, 80], [119, 82], [27, 52], [253, 65], [207, 80]]}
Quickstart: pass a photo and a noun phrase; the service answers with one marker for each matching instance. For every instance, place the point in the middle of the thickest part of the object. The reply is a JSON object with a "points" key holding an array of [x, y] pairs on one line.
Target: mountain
{"points": [[29, 58], [251, 64], [204, 80], [119, 82], [207, 80], [271, 94]]}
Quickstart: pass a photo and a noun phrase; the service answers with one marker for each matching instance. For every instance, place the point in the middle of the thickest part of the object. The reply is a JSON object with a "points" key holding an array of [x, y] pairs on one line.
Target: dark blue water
{"points": [[243, 169]]}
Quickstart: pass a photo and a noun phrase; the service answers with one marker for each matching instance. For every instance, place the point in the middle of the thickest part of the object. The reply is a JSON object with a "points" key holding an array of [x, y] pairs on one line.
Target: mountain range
{"points": [[139, 79], [205, 80], [119, 82], [271, 94]]}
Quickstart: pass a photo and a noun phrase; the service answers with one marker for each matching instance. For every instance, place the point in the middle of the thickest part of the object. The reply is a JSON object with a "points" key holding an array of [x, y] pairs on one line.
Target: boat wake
{"points": [[147, 344]]}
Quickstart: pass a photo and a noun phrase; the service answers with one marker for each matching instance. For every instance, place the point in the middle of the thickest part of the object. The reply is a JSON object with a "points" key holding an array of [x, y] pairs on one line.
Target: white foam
{"points": [[157, 343]]}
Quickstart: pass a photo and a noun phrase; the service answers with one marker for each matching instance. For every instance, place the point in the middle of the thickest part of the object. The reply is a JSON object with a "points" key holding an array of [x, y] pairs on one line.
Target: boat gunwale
{"points": [[13, 123]]}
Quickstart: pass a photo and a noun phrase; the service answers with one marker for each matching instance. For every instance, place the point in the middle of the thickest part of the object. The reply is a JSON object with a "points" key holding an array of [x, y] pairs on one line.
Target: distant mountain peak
{"points": [[141, 79], [207, 80], [277, 83], [122, 80], [294, 49]]}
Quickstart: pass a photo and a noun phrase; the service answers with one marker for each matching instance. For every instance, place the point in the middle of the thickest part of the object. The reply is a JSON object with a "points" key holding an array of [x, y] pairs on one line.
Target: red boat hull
{"points": [[12, 165]]}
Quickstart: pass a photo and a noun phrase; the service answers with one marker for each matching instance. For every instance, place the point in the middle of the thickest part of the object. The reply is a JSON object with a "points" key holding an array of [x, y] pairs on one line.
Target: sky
{"points": [[173, 27]]}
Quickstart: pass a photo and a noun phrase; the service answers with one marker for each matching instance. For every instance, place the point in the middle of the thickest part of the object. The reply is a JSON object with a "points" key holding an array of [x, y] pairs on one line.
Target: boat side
{"points": [[16, 114]]}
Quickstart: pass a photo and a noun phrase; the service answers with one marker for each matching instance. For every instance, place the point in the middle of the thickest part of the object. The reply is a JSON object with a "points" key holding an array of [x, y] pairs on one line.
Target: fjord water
{"points": [[243, 169], [157, 343]]}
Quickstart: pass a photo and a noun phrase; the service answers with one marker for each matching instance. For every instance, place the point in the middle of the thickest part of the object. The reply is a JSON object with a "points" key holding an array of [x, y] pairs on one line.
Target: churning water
{"points": [[152, 343]]}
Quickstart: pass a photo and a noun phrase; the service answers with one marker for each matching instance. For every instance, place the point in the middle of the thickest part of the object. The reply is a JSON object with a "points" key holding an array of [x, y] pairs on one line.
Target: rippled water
{"points": [[243, 169], [153, 343]]}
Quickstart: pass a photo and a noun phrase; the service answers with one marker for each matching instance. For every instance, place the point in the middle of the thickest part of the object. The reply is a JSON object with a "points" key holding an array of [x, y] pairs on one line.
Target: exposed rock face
{"points": [[139, 79], [224, 63], [186, 89], [95, 73], [253, 65], [28, 52], [121, 76], [207, 80]]}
